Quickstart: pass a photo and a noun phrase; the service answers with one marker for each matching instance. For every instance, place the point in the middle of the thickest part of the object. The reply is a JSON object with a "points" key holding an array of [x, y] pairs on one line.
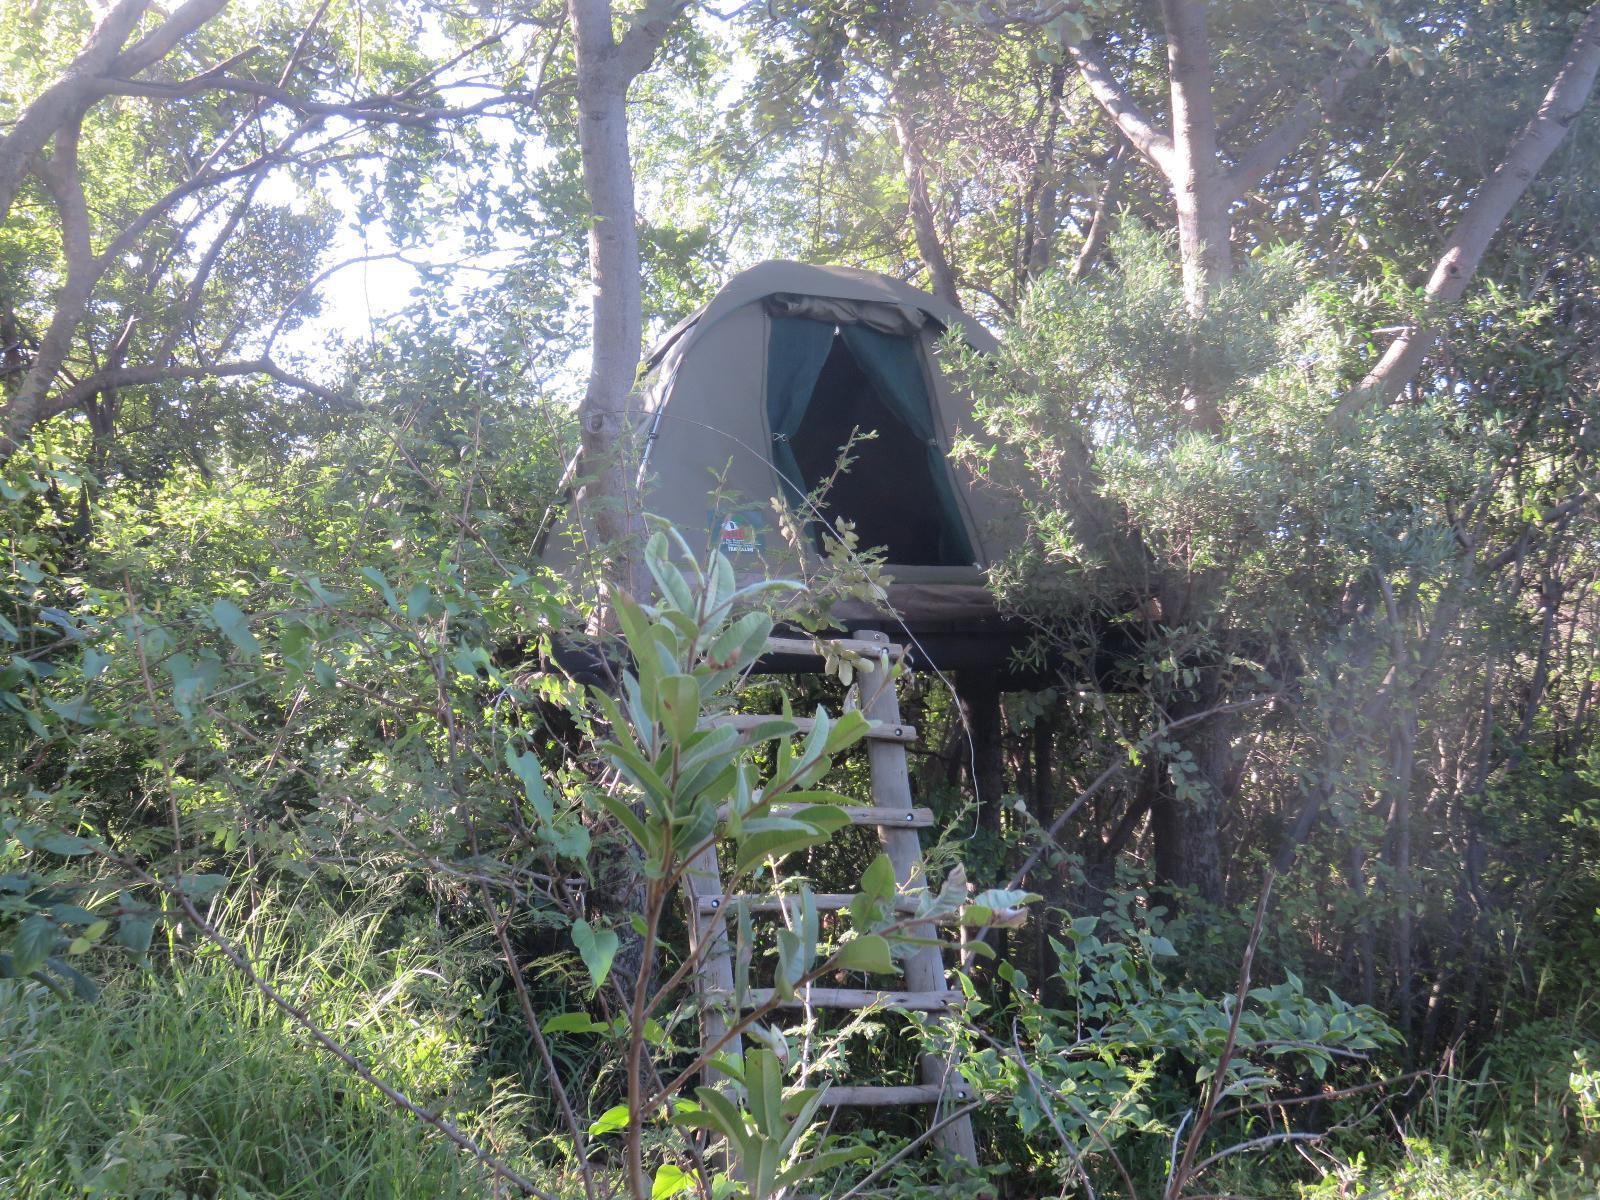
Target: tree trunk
{"points": [[980, 692], [1187, 828], [930, 247], [604, 500], [65, 101], [27, 406], [1044, 190], [1100, 223], [1199, 184]]}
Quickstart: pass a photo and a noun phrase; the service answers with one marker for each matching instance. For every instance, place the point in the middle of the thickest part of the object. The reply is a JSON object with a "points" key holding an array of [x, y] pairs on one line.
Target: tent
{"points": [[752, 397]]}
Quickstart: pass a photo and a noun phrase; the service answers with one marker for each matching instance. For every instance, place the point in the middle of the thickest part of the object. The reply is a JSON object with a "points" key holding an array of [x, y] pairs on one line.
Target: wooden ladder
{"points": [[897, 821]]}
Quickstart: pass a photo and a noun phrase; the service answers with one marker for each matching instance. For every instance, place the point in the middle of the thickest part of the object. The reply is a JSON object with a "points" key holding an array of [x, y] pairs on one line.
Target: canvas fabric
{"points": [[713, 400]]}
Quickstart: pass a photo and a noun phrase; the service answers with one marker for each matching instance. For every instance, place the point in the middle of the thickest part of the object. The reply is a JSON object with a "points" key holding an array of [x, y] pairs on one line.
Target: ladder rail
{"points": [[897, 819], [924, 970]]}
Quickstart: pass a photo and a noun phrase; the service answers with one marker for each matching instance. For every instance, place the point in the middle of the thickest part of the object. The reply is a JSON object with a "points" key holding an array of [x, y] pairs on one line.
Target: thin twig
{"points": [[1186, 1167]]}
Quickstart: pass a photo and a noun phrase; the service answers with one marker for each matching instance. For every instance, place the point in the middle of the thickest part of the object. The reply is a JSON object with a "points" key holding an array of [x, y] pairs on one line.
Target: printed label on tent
{"points": [[740, 533]]}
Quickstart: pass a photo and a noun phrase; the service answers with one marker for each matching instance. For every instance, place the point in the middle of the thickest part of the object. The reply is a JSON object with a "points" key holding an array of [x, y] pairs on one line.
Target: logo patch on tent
{"points": [[738, 533]]}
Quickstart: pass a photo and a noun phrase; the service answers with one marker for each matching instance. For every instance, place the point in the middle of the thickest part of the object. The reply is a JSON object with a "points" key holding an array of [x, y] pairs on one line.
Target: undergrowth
{"points": [[187, 1082]]}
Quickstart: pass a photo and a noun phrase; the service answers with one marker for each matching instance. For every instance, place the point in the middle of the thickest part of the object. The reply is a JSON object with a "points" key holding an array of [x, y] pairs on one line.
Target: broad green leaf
{"points": [[35, 941], [199, 887], [78, 710], [528, 769], [869, 952], [376, 578], [613, 1119], [877, 880], [794, 960], [64, 844], [625, 816], [235, 626], [679, 706], [568, 838], [135, 931], [574, 1022], [597, 948], [669, 1182]]}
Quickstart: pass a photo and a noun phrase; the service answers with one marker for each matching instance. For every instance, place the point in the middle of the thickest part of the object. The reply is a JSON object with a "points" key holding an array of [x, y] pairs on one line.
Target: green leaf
{"points": [[742, 640], [794, 959], [567, 838], [375, 577], [877, 880], [199, 887], [419, 601], [669, 1181], [64, 844], [613, 1119], [527, 768], [679, 705], [625, 816], [870, 952], [997, 898], [35, 942], [774, 837], [235, 626], [77, 710], [574, 1022], [135, 932], [597, 947]]}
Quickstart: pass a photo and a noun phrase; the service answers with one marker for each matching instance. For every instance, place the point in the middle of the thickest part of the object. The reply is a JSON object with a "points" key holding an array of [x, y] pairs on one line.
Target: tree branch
{"points": [[1470, 239], [151, 373], [202, 274], [1100, 223], [15, 420], [645, 34], [61, 102], [1252, 165], [60, 175], [1125, 112], [386, 109], [158, 43]]}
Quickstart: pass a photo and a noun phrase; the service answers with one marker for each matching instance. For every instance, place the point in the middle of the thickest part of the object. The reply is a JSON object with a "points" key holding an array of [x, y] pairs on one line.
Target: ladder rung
{"points": [[841, 1096], [940, 1001], [814, 649], [1005, 918], [879, 732], [859, 814], [824, 902]]}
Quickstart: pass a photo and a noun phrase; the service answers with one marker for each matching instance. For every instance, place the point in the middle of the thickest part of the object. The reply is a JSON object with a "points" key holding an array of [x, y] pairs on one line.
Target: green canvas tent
{"points": [[765, 383]]}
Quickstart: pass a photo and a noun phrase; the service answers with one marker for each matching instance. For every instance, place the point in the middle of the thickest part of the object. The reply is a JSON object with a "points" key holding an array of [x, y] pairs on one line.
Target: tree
{"points": [[606, 67], [127, 284], [1204, 183]]}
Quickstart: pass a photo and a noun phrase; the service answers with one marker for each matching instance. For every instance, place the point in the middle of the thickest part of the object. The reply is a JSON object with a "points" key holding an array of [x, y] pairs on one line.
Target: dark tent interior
{"points": [[890, 491]]}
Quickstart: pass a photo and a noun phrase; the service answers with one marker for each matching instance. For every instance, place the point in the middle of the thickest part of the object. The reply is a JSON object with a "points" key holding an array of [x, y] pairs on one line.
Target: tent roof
{"points": [[802, 279]]}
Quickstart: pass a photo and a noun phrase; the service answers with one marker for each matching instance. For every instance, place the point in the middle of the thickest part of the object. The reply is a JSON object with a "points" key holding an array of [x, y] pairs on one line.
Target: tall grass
{"points": [[184, 1082], [1521, 1124]]}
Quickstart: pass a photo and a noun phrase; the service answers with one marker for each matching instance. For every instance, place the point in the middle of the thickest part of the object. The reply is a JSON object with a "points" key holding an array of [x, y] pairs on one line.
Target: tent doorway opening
{"points": [[898, 490]]}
